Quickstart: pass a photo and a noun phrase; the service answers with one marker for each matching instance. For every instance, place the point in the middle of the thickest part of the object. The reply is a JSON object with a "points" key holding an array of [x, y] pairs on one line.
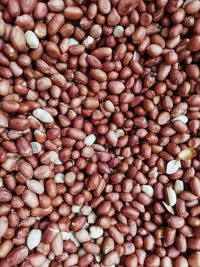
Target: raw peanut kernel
{"points": [[99, 133], [17, 39], [187, 154]]}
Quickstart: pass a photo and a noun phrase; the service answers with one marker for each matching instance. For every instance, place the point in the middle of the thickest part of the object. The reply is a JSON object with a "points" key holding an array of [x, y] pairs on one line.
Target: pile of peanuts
{"points": [[99, 133]]}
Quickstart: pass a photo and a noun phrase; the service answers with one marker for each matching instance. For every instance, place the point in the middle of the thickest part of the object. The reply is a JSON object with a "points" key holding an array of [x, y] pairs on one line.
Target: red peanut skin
{"points": [[131, 78], [17, 255]]}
